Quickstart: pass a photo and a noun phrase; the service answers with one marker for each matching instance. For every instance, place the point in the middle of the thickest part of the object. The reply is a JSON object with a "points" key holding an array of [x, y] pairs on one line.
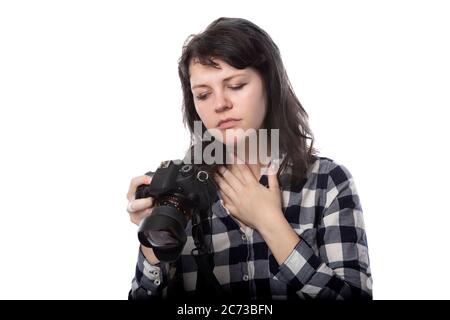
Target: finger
{"points": [[137, 217], [238, 173], [237, 166], [227, 202], [247, 174], [231, 179], [272, 178], [225, 198], [140, 204], [136, 182], [224, 186]]}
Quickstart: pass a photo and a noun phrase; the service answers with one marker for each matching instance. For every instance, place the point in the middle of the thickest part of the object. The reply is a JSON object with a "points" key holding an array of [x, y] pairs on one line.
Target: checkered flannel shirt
{"points": [[330, 261]]}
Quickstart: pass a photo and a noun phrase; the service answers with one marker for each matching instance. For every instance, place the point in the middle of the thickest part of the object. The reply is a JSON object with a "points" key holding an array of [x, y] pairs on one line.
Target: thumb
{"points": [[272, 178]]}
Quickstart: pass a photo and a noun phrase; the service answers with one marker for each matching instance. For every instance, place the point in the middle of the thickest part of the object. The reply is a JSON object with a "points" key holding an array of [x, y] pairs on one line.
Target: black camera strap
{"points": [[207, 284], [207, 287]]}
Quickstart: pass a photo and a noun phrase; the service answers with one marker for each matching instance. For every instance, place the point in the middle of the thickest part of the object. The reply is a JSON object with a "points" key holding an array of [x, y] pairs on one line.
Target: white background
{"points": [[90, 97]]}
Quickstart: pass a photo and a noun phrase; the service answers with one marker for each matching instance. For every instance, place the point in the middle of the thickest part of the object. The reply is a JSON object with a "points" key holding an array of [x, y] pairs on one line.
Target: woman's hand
{"points": [[138, 209], [247, 199]]}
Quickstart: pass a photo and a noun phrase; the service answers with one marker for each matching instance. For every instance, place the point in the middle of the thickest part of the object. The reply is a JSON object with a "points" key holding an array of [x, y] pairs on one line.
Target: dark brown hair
{"points": [[242, 44]]}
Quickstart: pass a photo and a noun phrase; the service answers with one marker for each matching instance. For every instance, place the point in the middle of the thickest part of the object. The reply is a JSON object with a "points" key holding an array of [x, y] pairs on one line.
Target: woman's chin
{"points": [[228, 137], [232, 140]]}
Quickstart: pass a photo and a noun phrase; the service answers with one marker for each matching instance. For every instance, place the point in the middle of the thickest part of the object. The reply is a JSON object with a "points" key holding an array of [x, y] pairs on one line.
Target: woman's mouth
{"points": [[228, 124]]}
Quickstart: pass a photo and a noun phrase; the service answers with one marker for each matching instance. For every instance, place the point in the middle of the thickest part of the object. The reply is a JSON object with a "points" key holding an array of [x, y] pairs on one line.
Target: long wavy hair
{"points": [[242, 44]]}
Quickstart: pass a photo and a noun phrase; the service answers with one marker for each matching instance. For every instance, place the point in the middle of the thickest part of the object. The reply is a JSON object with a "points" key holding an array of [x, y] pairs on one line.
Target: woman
{"points": [[293, 231]]}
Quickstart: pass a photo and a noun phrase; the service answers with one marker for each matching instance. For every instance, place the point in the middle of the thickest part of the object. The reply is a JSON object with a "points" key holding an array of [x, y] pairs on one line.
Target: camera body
{"points": [[181, 192]]}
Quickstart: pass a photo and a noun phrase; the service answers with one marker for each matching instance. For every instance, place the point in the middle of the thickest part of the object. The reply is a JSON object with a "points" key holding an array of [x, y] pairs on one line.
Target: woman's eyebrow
{"points": [[224, 80]]}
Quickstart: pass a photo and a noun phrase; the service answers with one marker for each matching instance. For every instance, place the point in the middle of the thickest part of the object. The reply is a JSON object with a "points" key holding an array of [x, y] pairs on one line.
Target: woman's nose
{"points": [[222, 102]]}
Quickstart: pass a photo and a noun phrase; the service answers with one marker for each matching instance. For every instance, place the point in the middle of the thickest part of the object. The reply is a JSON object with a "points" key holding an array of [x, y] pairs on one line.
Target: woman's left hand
{"points": [[247, 199]]}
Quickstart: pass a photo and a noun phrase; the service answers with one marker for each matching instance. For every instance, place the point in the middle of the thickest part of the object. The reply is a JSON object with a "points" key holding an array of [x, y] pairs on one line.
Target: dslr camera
{"points": [[181, 192]]}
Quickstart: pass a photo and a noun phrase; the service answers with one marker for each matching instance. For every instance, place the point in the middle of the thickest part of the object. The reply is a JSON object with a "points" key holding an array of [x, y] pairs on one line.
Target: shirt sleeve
{"points": [[341, 269], [149, 280]]}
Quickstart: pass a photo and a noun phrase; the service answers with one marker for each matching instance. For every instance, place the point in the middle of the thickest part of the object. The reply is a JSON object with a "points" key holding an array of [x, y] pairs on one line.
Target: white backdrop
{"points": [[90, 97]]}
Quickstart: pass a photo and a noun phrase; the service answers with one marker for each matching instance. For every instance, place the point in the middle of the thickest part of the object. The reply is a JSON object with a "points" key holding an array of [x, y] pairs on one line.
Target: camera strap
{"points": [[207, 284], [207, 287]]}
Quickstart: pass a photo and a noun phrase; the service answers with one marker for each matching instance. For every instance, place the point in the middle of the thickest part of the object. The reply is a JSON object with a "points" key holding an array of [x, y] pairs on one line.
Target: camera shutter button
{"points": [[186, 169], [202, 176]]}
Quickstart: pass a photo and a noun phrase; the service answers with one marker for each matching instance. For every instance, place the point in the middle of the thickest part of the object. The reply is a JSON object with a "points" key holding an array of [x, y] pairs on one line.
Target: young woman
{"points": [[293, 231]]}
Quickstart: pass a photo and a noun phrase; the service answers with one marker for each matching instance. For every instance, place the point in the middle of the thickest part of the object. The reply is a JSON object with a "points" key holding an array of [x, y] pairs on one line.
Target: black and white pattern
{"points": [[330, 261]]}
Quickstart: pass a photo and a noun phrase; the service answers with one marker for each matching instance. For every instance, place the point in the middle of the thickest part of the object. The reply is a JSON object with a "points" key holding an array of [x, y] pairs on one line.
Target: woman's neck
{"points": [[255, 163]]}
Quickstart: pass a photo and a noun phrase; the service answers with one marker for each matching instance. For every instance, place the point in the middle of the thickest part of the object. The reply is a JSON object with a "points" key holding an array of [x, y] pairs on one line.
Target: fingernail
{"points": [[273, 169]]}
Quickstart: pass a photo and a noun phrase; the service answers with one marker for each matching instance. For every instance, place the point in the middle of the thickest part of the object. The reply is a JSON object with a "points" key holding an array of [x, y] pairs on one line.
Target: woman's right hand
{"points": [[138, 209]]}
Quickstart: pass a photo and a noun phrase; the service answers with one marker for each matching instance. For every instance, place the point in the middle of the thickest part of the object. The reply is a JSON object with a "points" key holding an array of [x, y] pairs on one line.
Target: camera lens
{"points": [[161, 238], [164, 230]]}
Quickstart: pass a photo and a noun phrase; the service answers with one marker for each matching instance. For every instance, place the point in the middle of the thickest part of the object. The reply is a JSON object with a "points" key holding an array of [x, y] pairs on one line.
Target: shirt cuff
{"points": [[152, 277], [300, 266]]}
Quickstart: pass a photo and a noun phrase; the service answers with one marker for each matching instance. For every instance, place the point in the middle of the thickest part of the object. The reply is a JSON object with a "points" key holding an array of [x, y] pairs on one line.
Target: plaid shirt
{"points": [[330, 261]]}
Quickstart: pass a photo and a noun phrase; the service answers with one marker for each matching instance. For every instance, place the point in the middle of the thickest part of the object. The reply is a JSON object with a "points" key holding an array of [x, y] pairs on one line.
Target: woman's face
{"points": [[226, 92]]}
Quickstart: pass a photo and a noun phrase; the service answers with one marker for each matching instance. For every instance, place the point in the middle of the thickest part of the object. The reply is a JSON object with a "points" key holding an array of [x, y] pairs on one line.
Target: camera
{"points": [[181, 192]]}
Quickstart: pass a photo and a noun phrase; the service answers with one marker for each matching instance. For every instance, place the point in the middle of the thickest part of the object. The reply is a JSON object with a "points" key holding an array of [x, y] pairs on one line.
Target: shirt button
{"points": [[244, 237], [245, 277], [157, 282], [155, 273]]}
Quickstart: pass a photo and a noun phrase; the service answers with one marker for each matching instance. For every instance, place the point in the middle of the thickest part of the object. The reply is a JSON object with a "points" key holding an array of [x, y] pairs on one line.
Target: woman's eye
{"points": [[205, 96], [238, 87], [202, 96]]}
